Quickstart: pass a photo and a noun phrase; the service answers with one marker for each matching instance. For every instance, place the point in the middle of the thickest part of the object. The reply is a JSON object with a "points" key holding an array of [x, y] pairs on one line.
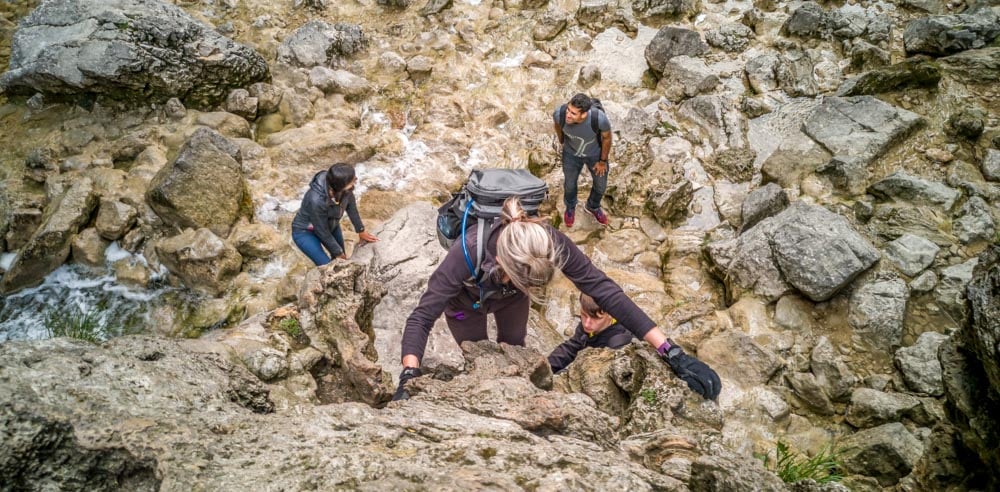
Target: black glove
{"points": [[407, 374], [698, 376]]}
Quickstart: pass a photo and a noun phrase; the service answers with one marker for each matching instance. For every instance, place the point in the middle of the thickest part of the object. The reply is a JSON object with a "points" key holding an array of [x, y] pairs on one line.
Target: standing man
{"points": [[584, 135]]}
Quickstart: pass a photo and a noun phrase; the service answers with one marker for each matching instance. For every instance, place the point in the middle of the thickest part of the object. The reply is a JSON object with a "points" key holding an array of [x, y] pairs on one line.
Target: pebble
{"points": [[939, 155]]}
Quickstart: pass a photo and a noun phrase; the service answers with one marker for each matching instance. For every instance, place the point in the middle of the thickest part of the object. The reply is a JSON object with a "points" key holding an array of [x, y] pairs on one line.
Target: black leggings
{"points": [[467, 324]]}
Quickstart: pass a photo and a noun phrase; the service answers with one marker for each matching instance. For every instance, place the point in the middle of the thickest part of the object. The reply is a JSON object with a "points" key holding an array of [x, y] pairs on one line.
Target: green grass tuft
{"points": [[74, 324], [648, 395], [291, 326], [791, 467]]}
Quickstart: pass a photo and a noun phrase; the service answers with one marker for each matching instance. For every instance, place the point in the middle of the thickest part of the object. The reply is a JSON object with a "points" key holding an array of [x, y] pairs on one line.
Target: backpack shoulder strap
{"points": [[595, 115], [562, 116]]}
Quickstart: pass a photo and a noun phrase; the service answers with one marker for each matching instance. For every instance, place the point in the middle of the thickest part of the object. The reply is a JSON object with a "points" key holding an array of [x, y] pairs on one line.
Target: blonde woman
{"points": [[521, 258]]}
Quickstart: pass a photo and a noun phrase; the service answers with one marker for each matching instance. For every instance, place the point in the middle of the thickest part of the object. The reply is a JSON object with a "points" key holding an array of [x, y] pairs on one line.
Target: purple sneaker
{"points": [[599, 215], [569, 217]]}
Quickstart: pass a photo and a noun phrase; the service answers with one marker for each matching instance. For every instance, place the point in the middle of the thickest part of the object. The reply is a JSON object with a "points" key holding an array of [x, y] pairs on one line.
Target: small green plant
{"points": [[791, 467], [291, 326], [74, 324], [648, 395]]}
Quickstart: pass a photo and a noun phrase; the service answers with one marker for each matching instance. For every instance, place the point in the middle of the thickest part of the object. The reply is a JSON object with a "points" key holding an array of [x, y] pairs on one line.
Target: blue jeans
{"points": [[310, 244], [572, 167]]}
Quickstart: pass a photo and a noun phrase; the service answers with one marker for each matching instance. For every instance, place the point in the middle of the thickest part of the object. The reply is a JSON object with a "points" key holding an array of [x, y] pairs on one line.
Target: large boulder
{"points": [[887, 453], [946, 34], [203, 187], [903, 186], [320, 43], [911, 254], [920, 366], [861, 126], [134, 50], [870, 408], [670, 42], [49, 246], [973, 67], [200, 259], [805, 246]]}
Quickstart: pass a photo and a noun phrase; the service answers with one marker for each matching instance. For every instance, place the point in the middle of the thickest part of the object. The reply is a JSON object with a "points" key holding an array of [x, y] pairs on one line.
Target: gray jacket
{"points": [[324, 214]]}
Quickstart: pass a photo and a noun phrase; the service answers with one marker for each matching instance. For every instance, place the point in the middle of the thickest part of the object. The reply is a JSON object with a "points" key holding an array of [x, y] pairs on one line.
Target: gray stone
{"points": [[50, 244], [794, 313], [973, 67], [967, 386], [887, 453], [339, 82], [255, 240], [729, 198], [435, 7], [916, 72], [549, 26], [809, 21], [877, 311], [731, 37], [670, 203], [296, 108], [670, 42], [651, 8], [227, 124], [832, 374], [203, 187], [391, 62], [266, 363], [88, 248], [720, 118], [847, 174], [904, 186], [990, 165], [134, 50], [925, 282], [419, 68], [984, 328], [966, 123], [950, 292], [320, 43], [114, 219], [761, 71], [919, 364], [739, 358], [966, 177], [588, 76], [795, 72], [239, 102], [761, 203], [911, 254], [975, 222], [268, 97], [946, 34], [805, 386], [200, 260], [685, 77], [862, 126], [871, 408], [174, 109]]}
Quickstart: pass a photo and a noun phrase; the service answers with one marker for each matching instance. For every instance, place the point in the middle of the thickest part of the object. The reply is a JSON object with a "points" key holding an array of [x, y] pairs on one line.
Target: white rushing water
{"points": [[74, 293]]}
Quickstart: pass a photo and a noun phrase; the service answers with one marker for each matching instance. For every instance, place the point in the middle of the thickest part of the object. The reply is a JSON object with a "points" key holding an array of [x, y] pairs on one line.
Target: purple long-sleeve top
{"points": [[448, 282]]}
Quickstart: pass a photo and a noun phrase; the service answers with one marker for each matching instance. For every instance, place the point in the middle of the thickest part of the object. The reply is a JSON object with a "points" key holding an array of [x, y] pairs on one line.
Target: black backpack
{"points": [[595, 106], [479, 204]]}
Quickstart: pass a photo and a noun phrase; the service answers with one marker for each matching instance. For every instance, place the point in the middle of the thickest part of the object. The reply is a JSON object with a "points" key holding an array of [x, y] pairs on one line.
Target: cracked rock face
{"points": [[133, 50]]}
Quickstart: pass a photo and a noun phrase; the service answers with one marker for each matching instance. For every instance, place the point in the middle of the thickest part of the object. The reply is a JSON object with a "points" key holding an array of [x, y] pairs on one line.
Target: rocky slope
{"points": [[805, 194]]}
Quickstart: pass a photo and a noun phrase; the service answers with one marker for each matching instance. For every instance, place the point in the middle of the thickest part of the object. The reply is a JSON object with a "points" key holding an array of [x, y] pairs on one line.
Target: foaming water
{"points": [[73, 292]]}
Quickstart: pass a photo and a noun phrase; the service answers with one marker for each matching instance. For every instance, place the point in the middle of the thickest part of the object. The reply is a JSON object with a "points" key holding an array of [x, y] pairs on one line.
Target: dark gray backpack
{"points": [[479, 204]]}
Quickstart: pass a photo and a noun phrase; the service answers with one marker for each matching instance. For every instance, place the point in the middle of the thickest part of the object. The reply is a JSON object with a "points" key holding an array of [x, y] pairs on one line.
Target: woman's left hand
{"points": [[367, 237]]}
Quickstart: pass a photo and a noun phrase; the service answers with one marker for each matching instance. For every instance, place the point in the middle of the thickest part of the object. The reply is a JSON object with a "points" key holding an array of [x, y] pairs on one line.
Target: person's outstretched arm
{"points": [[566, 352]]}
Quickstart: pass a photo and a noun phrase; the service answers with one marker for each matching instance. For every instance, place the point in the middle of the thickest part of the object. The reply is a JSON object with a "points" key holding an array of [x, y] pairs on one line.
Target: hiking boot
{"points": [[569, 216], [598, 214]]}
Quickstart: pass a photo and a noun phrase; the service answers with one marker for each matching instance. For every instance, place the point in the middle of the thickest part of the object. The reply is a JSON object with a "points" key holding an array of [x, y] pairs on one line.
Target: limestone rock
{"points": [[320, 43], [268, 97], [877, 311], [339, 82], [200, 259], [203, 187], [911, 254], [227, 124], [915, 72], [950, 292], [761, 203], [805, 387], [871, 408], [975, 222], [241, 103], [684, 77], [670, 42], [861, 126], [887, 452], [680, 8], [919, 364], [975, 67], [88, 247], [832, 373], [134, 50], [904, 186], [49, 246], [761, 71], [984, 326], [255, 240], [114, 219], [731, 37], [946, 34]]}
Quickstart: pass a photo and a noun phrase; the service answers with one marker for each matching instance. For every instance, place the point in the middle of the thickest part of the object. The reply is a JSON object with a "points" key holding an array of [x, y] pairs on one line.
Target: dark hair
{"points": [[338, 177], [589, 306], [582, 102]]}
